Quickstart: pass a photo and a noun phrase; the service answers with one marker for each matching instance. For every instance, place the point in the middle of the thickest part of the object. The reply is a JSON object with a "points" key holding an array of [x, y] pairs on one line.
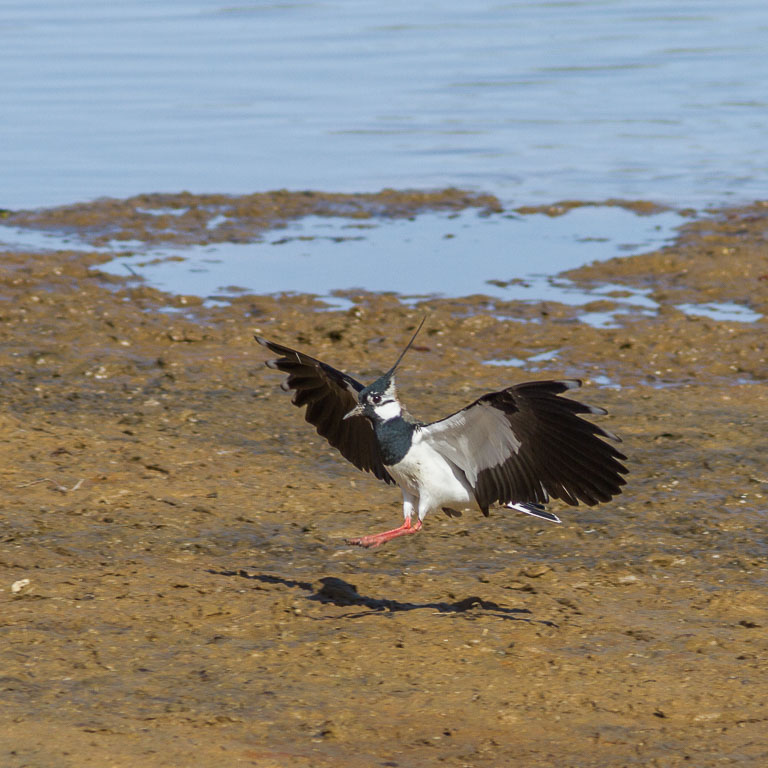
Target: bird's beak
{"points": [[356, 411]]}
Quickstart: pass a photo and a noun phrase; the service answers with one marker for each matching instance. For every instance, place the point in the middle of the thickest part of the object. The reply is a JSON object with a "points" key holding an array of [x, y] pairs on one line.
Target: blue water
{"points": [[503, 257], [535, 101], [431, 255]]}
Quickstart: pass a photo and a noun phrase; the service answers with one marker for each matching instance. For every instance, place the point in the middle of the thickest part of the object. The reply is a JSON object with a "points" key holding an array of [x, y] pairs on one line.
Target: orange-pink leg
{"points": [[379, 538]]}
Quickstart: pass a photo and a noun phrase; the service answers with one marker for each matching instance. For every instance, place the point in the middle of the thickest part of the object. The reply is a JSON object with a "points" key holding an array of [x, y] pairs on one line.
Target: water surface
{"points": [[535, 101], [501, 256]]}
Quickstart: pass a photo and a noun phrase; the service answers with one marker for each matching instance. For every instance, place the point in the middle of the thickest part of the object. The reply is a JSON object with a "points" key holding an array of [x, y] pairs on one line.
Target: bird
{"points": [[517, 447]]}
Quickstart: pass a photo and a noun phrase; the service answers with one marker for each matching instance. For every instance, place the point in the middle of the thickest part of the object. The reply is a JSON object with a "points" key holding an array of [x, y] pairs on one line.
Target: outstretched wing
{"points": [[526, 444], [329, 395]]}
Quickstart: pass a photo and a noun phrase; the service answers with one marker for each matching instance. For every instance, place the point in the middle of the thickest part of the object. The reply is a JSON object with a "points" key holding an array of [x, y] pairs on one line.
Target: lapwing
{"points": [[515, 448]]}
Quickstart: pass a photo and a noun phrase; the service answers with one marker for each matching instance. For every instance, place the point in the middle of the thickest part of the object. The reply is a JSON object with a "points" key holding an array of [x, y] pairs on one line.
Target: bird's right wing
{"points": [[525, 444], [329, 395]]}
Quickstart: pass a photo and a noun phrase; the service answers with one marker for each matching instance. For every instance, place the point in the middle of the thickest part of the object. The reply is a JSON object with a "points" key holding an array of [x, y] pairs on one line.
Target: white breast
{"points": [[436, 483]]}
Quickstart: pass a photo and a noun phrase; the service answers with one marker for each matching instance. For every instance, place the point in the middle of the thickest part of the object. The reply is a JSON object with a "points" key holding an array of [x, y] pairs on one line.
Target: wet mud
{"points": [[174, 581], [188, 218]]}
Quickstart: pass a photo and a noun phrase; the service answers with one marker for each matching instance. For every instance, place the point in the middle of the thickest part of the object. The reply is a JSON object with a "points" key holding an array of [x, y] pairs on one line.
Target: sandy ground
{"points": [[176, 589]]}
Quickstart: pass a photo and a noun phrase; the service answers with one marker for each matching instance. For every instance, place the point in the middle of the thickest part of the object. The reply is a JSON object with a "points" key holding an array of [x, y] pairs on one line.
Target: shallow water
{"points": [[723, 310], [506, 257], [429, 255], [533, 101]]}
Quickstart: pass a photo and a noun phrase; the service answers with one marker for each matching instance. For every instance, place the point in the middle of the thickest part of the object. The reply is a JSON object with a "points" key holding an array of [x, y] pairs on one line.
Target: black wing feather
{"points": [[550, 450], [561, 455], [329, 395]]}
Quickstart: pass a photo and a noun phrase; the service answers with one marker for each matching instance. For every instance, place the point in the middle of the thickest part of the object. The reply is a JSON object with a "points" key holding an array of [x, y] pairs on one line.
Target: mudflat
{"points": [[174, 579]]}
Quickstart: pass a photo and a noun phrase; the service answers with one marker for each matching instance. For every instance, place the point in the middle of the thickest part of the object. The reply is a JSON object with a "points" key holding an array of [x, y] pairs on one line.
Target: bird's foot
{"points": [[377, 539]]}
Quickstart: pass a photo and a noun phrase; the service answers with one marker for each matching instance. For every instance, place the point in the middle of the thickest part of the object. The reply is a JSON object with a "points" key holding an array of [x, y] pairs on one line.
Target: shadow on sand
{"points": [[335, 591]]}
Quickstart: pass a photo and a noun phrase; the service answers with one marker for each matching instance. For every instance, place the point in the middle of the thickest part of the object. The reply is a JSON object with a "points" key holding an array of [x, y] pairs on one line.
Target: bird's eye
{"points": [[376, 399]]}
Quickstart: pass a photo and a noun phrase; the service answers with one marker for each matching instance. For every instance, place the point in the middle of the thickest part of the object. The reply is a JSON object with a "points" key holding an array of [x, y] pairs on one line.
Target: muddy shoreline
{"points": [[173, 577]]}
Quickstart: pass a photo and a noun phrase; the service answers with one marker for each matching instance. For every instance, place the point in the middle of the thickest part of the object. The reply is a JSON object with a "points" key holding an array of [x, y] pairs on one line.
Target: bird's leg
{"points": [[374, 540]]}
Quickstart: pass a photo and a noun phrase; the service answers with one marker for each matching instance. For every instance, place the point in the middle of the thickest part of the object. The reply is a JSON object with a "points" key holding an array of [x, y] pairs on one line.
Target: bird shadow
{"points": [[335, 591]]}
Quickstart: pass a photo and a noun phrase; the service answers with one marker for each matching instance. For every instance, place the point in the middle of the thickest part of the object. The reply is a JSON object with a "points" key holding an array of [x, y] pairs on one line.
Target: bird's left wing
{"points": [[329, 395], [525, 444]]}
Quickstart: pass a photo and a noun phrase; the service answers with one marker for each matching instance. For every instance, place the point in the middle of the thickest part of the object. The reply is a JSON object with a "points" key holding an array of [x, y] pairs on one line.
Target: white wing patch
{"points": [[477, 438]]}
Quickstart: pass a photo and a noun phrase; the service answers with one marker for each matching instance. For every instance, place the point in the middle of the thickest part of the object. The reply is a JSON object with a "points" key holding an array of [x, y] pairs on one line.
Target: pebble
{"points": [[17, 586]]}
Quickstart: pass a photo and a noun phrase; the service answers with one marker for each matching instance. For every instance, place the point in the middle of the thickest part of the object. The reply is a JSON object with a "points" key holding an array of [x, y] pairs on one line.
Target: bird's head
{"points": [[378, 401]]}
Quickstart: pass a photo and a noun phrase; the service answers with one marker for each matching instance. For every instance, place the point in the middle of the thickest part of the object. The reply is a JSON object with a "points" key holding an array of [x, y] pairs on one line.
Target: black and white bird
{"points": [[517, 447]]}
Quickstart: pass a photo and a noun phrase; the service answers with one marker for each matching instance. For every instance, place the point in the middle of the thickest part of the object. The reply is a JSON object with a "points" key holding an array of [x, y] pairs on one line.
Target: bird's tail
{"points": [[537, 510]]}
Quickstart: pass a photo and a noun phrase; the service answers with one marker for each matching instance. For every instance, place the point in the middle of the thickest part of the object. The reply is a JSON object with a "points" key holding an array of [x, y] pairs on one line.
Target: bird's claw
{"points": [[377, 539], [368, 542]]}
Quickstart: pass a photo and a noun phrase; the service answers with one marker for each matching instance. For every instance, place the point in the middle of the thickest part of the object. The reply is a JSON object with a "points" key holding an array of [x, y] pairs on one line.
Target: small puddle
{"points": [[604, 382], [726, 311], [517, 362], [507, 257], [507, 362]]}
